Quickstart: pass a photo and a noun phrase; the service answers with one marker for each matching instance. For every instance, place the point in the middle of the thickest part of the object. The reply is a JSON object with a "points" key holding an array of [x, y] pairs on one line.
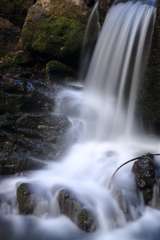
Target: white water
{"points": [[102, 125]]}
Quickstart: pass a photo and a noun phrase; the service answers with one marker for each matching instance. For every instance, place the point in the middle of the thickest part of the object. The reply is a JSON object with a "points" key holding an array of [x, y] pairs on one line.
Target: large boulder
{"points": [[54, 30], [9, 37], [15, 11]]}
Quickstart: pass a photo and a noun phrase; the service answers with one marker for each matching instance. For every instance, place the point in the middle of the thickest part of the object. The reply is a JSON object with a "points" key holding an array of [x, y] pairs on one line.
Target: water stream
{"points": [[106, 135]]}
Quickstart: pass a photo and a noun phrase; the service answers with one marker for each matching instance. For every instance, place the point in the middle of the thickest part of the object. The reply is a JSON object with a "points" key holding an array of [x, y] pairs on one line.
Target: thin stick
{"points": [[133, 159]]}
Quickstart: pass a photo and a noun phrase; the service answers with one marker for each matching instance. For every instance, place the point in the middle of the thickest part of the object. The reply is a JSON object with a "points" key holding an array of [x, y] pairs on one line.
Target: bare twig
{"points": [[133, 159]]}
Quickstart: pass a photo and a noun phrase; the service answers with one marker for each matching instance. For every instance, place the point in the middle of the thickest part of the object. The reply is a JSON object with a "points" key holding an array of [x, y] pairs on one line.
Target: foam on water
{"points": [[101, 120]]}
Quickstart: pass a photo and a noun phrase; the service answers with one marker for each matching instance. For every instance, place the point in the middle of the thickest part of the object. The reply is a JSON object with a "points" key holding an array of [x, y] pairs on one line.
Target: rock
{"points": [[23, 59], [148, 103], [90, 3], [143, 170], [76, 211], [55, 30], [9, 37], [56, 69], [28, 128], [15, 11], [27, 199], [10, 165], [129, 202], [103, 6]]}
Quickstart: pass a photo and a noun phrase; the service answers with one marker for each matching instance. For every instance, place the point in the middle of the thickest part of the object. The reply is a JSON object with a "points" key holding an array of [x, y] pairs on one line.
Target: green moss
{"points": [[23, 58], [60, 38], [4, 65], [56, 67], [25, 199]]}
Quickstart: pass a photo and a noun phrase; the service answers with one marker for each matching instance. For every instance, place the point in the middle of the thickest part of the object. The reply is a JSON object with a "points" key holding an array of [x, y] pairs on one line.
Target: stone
{"points": [[9, 37], [76, 211], [15, 11], [56, 69], [143, 170], [54, 30], [148, 103]]}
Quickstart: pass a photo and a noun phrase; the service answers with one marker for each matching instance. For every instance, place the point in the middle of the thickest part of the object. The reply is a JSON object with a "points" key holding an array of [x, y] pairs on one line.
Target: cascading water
{"points": [[103, 125]]}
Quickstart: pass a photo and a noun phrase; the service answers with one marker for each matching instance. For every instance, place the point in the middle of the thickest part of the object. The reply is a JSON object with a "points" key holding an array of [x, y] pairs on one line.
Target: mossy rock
{"points": [[23, 59], [56, 68], [55, 32], [4, 65], [25, 199]]}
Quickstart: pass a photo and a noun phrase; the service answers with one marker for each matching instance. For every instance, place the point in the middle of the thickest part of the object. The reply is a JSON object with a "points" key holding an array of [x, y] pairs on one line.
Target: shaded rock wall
{"points": [[9, 37], [15, 11], [149, 94]]}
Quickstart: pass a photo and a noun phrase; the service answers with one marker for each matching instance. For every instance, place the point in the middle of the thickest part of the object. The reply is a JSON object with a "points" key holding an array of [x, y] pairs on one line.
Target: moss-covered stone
{"points": [[23, 58], [4, 65], [56, 68], [55, 31], [25, 199]]}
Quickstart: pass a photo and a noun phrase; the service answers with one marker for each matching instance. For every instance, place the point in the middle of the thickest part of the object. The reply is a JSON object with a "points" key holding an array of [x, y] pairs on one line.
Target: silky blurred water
{"points": [[103, 135]]}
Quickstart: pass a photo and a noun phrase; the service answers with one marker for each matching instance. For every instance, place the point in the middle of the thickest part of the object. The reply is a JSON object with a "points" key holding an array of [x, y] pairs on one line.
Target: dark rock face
{"points": [[90, 3], [28, 127], [143, 170], [76, 211], [9, 37], [103, 6], [149, 95], [15, 11]]}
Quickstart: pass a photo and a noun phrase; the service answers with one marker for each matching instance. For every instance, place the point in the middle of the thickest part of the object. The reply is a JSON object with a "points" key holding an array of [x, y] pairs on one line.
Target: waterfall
{"points": [[102, 137], [116, 67]]}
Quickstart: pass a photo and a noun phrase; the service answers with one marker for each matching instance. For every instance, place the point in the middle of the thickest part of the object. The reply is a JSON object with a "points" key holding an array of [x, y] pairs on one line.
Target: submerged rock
{"points": [[30, 201], [129, 202], [76, 211]]}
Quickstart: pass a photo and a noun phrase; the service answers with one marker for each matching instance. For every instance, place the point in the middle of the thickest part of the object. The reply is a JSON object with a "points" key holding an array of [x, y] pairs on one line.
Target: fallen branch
{"points": [[133, 159]]}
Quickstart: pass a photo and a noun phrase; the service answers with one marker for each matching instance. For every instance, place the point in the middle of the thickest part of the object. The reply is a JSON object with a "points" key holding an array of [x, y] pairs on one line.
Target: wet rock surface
{"points": [[76, 211], [129, 202], [29, 129], [143, 170], [148, 102]]}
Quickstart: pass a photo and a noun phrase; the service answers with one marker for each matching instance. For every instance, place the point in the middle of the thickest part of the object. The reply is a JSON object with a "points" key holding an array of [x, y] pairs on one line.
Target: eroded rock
{"points": [[76, 211]]}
